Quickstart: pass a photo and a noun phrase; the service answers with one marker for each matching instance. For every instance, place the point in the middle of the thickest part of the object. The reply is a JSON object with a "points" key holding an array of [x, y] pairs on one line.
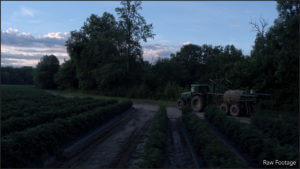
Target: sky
{"points": [[30, 30]]}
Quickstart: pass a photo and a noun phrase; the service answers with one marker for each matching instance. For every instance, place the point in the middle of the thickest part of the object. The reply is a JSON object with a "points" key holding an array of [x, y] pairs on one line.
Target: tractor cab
{"points": [[199, 88]]}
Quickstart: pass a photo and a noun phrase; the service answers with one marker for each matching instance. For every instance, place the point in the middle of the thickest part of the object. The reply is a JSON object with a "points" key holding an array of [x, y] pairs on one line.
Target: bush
{"points": [[207, 145], [155, 147]]}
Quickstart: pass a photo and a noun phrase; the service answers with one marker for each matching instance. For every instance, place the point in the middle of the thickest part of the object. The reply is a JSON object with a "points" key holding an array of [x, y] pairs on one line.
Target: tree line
{"points": [[106, 57], [18, 76]]}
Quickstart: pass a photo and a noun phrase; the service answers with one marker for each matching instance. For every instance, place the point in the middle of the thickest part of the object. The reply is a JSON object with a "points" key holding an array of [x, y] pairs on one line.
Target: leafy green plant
{"points": [[275, 126], [207, 145], [252, 141], [155, 147], [21, 123], [29, 148]]}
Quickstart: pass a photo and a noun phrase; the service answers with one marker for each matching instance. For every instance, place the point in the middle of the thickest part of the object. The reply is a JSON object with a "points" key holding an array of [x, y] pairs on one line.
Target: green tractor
{"points": [[232, 102], [197, 97]]}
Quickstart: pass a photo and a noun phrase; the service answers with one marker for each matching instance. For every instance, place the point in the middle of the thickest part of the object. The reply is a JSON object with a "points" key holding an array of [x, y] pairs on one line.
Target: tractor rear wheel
{"points": [[197, 103], [180, 103], [224, 108], [234, 110]]}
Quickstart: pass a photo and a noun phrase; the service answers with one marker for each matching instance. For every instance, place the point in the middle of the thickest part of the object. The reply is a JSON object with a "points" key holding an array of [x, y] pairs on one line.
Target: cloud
{"points": [[24, 49], [18, 62], [27, 12], [235, 25], [57, 35], [152, 52], [186, 43], [12, 37]]}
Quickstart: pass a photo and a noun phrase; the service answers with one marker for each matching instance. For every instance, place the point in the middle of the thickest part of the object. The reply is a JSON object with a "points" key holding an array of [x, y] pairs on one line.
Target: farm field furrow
{"points": [[254, 142], [45, 134], [180, 154], [208, 146], [22, 123], [115, 147]]}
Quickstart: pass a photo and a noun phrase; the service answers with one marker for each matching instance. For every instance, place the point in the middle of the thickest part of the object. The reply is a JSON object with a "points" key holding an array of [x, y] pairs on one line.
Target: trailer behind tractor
{"points": [[233, 102]]}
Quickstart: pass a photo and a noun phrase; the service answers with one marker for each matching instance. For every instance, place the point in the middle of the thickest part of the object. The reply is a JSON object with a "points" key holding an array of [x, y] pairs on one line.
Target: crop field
{"points": [[266, 138], [36, 125]]}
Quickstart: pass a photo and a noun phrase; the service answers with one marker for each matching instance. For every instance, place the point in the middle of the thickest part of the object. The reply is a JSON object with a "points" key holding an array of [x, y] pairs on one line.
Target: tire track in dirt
{"points": [[108, 150], [180, 151]]}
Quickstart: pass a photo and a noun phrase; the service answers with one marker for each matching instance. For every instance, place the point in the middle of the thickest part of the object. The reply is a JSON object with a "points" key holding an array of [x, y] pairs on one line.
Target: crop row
{"points": [[22, 103], [250, 140], [30, 107], [19, 101], [207, 145], [12, 94], [21, 123], [155, 147], [29, 148], [276, 127]]}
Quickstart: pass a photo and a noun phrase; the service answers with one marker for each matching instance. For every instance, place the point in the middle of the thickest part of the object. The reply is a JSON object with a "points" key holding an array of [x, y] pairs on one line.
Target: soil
{"points": [[180, 151], [122, 147], [111, 151]]}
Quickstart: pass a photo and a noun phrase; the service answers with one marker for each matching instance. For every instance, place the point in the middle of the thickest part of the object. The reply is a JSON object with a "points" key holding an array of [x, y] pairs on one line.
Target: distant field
{"points": [[36, 125], [98, 96]]}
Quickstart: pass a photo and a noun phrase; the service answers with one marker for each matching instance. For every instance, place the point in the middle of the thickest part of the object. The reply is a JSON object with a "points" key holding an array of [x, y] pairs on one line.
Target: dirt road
{"points": [[180, 150], [109, 150]]}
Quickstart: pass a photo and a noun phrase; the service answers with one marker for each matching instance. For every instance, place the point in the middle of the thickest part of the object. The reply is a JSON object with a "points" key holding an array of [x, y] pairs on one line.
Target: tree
{"points": [[22, 75], [277, 55], [135, 29], [105, 51], [65, 78], [167, 70], [45, 71], [261, 27], [192, 59], [97, 43]]}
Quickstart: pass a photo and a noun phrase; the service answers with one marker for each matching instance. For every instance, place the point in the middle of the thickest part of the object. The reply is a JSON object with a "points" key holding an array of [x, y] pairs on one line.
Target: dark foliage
{"points": [[17, 76], [155, 148], [45, 72], [30, 147], [207, 145], [258, 144]]}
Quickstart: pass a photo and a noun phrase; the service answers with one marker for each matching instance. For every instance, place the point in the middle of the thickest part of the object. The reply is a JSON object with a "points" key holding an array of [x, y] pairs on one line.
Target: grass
{"points": [[91, 94], [95, 95]]}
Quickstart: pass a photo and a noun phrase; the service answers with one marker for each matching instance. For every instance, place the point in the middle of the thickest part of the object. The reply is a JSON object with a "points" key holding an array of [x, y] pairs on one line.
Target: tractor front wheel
{"points": [[180, 103], [197, 103]]}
